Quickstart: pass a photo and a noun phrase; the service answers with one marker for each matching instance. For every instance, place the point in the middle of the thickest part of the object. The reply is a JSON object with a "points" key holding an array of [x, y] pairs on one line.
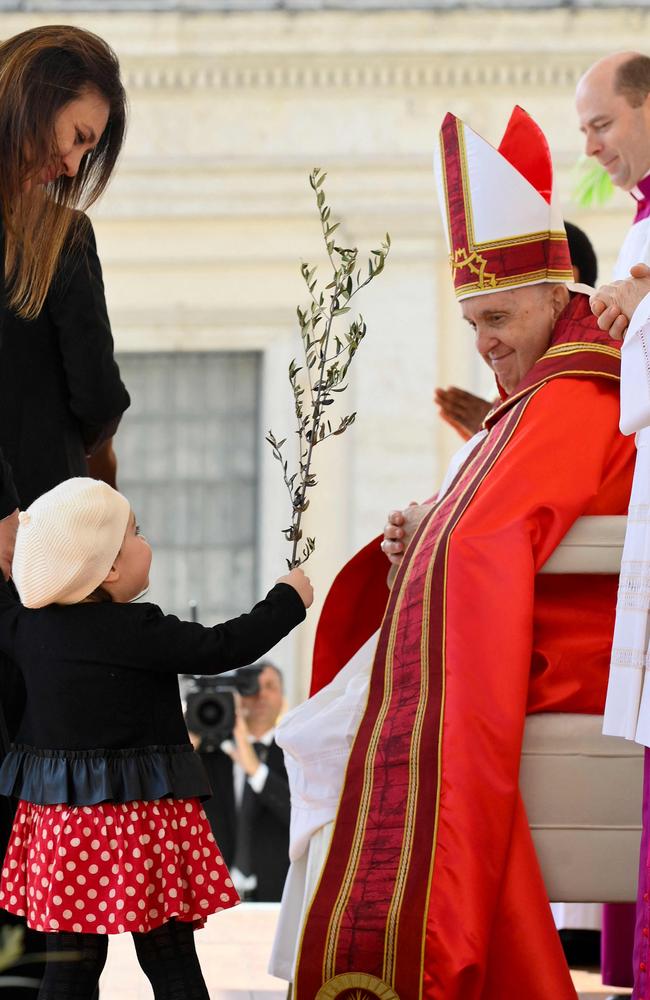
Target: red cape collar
{"points": [[578, 349]]}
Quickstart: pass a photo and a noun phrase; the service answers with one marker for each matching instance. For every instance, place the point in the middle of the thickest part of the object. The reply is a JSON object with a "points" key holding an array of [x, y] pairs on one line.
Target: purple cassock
{"points": [[642, 195]]}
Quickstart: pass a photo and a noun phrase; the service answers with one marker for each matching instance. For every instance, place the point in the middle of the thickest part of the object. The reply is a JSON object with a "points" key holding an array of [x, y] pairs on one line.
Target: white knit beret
{"points": [[67, 541]]}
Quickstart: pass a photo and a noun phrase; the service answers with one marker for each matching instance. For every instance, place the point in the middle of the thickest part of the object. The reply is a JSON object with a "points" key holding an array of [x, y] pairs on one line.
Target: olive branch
{"points": [[327, 360]]}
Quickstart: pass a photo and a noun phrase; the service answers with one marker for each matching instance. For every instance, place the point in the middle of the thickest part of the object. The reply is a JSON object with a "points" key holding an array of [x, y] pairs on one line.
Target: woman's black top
{"points": [[8, 497], [104, 720], [61, 394]]}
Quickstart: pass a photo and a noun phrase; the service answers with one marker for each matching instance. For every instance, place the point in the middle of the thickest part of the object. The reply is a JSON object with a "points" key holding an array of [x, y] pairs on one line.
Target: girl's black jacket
{"points": [[104, 720]]}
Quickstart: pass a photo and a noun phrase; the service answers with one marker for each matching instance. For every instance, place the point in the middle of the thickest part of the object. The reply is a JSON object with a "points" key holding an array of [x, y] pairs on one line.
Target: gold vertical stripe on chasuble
{"points": [[334, 927], [507, 433], [367, 787], [392, 930]]}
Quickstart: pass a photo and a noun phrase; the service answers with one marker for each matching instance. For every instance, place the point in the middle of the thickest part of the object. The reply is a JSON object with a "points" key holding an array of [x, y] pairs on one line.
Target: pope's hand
{"points": [[399, 530], [614, 304]]}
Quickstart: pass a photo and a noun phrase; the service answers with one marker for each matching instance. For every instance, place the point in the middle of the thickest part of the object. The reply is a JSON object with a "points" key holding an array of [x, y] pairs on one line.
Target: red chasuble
{"points": [[431, 888]]}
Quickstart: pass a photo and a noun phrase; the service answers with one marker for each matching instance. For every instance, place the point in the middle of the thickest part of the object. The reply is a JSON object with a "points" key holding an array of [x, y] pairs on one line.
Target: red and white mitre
{"points": [[504, 228]]}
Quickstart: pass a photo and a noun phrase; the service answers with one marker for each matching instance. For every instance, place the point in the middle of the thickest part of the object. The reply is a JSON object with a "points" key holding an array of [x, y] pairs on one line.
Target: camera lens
{"points": [[210, 713]]}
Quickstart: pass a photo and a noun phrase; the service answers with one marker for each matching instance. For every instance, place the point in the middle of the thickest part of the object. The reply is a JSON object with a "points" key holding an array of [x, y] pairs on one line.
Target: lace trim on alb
{"points": [[628, 659]]}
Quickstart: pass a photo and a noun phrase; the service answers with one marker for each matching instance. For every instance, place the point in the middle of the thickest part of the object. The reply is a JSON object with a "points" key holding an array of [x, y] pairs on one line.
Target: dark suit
{"points": [[61, 395], [269, 823]]}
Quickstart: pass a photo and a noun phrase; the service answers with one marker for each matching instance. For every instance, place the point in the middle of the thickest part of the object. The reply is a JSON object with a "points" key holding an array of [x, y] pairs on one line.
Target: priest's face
{"points": [[514, 328], [617, 134]]}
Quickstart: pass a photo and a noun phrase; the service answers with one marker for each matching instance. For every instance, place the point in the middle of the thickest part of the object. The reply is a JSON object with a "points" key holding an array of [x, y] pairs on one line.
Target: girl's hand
{"points": [[297, 579]]}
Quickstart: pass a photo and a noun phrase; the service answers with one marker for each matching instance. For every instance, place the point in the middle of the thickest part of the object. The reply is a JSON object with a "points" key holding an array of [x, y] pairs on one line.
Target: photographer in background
{"points": [[249, 810]]}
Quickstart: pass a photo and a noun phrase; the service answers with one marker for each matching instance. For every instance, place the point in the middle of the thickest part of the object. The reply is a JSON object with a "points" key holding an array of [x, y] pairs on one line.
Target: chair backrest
{"points": [[582, 790], [591, 545]]}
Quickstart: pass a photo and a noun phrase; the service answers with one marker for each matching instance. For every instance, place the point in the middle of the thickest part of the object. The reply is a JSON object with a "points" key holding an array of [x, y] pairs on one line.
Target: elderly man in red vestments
{"points": [[431, 888]]}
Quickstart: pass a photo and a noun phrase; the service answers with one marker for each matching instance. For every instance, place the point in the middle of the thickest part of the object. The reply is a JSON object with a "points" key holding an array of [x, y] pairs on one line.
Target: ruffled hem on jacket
{"points": [[86, 777]]}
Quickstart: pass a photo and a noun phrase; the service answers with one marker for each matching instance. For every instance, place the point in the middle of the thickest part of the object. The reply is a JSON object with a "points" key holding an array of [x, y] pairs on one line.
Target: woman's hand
{"points": [[8, 528]]}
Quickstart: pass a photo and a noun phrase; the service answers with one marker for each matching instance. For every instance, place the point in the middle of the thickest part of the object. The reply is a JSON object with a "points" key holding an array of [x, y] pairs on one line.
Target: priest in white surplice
{"points": [[613, 102]]}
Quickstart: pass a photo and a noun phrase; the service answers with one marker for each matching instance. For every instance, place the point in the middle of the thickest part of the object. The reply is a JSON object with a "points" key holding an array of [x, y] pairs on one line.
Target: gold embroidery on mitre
{"points": [[475, 264], [356, 986]]}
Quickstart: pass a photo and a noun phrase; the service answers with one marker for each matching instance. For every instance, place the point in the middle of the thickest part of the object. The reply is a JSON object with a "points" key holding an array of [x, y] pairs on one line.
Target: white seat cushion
{"points": [[582, 792]]}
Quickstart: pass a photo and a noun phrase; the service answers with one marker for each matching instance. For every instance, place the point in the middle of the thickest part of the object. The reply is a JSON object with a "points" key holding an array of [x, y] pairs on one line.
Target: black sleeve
{"points": [[8, 495], [168, 644], [10, 610], [77, 307]]}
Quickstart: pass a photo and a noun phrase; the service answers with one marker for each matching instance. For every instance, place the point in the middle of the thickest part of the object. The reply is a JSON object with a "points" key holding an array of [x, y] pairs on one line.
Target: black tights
{"points": [[166, 955], [168, 958]]}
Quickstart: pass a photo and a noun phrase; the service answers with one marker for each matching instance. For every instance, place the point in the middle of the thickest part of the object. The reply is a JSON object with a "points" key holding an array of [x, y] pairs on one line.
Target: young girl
{"points": [[110, 835]]}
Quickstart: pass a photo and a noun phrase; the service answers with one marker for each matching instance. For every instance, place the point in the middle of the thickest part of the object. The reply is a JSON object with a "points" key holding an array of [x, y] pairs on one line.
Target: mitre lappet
{"points": [[503, 224]]}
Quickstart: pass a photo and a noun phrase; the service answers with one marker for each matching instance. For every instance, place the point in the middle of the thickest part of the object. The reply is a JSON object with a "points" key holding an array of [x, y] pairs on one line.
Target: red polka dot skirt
{"points": [[114, 867]]}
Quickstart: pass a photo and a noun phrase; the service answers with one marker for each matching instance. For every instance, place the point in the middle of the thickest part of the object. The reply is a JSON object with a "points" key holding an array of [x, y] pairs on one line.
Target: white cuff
{"points": [[258, 780], [641, 314], [635, 371]]}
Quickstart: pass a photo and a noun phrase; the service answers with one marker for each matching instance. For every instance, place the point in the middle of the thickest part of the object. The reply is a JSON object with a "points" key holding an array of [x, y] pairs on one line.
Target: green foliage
{"points": [[11, 946], [592, 184], [11, 950], [327, 359]]}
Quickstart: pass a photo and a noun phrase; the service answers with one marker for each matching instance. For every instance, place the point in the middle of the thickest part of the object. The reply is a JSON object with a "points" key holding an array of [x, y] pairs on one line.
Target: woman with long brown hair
{"points": [[62, 125]]}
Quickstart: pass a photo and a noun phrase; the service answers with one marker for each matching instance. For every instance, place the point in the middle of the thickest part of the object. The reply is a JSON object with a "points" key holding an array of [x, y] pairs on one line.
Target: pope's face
{"points": [[616, 134], [514, 328]]}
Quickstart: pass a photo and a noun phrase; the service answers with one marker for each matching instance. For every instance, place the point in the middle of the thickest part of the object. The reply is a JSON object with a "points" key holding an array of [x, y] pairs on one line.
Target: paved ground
{"points": [[233, 948]]}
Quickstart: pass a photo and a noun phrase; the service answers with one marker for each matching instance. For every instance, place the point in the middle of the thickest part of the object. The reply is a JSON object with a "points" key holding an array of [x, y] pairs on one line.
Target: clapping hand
{"points": [[461, 410]]}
